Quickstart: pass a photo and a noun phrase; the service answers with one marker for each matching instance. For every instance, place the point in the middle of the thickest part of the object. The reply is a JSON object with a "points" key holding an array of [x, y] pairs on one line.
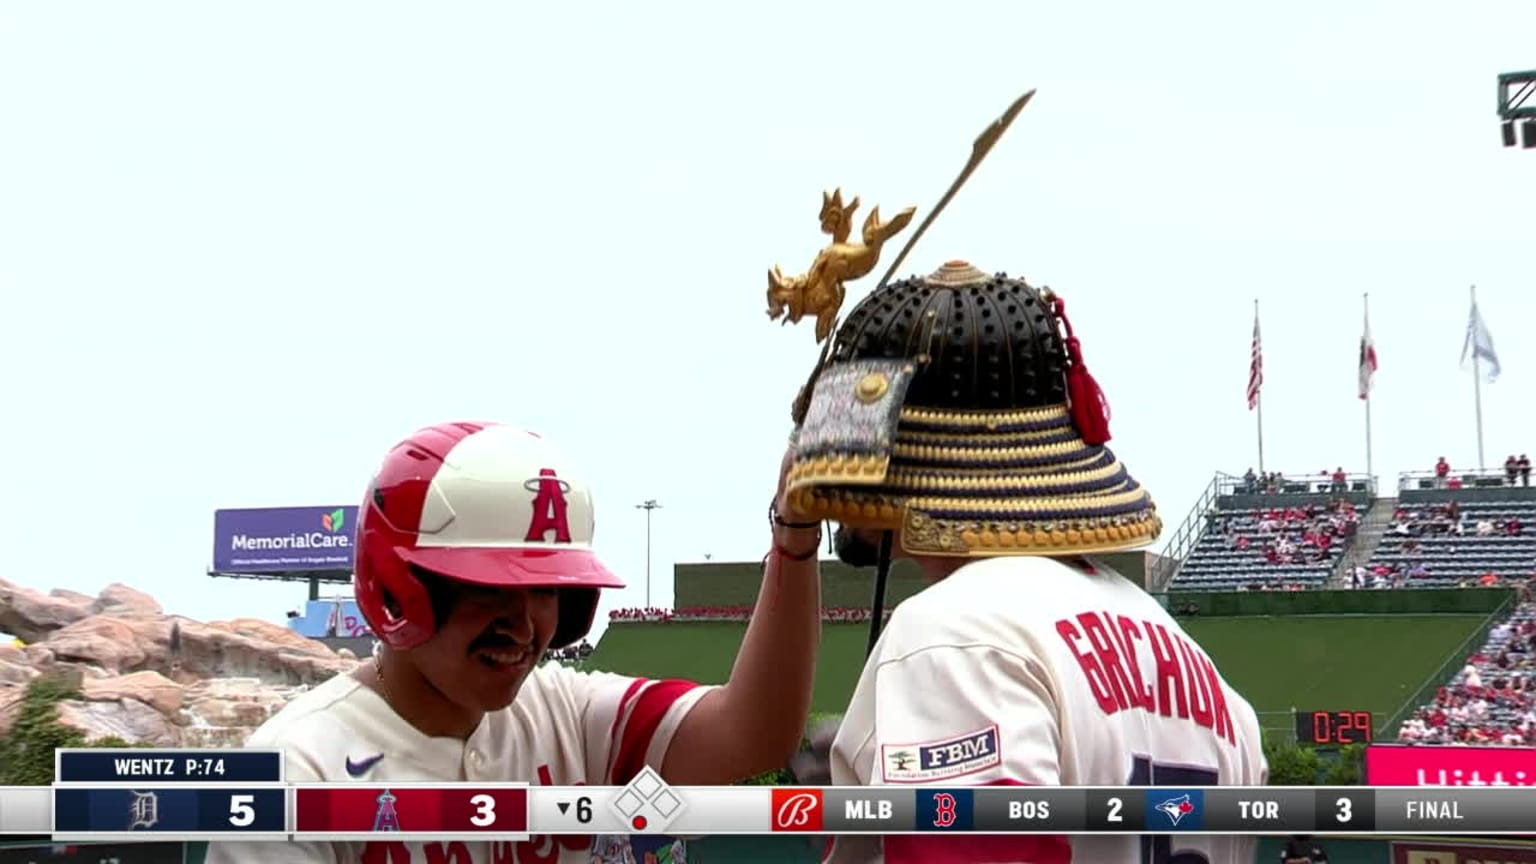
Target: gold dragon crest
{"points": [[820, 291]]}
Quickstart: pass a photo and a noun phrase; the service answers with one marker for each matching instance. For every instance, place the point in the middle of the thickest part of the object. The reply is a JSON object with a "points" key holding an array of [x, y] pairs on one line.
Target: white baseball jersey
{"points": [[565, 728], [1033, 672]]}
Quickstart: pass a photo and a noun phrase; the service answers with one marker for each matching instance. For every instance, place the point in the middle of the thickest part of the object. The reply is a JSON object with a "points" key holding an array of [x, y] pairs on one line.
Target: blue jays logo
{"points": [[1176, 808]]}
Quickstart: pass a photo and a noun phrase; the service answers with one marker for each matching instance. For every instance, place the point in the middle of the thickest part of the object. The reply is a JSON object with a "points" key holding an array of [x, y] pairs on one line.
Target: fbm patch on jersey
{"points": [[941, 760]]}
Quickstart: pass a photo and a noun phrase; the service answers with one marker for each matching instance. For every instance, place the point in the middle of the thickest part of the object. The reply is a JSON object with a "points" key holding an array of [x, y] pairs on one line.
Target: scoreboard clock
{"points": [[1334, 727]]}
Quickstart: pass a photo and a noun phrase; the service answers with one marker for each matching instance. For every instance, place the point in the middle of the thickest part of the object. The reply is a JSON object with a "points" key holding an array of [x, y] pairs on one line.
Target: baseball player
{"points": [[474, 558], [954, 423]]}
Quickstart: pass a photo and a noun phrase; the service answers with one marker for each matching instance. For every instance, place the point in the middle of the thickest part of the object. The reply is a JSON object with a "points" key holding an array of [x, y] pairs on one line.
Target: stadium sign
{"points": [[284, 540], [1425, 765], [1417, 852]]}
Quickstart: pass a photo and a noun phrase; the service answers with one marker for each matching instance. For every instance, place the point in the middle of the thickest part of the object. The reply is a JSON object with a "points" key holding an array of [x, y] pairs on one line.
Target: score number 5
{"points": [[241, 813]]}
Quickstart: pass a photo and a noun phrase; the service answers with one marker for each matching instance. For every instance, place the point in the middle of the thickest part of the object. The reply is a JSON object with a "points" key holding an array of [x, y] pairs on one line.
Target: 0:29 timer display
{"points": [[1333, 727]]}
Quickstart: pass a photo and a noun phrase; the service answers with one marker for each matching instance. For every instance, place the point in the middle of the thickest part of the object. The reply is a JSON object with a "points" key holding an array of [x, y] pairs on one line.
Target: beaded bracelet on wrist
{"points": [[777, 521]]}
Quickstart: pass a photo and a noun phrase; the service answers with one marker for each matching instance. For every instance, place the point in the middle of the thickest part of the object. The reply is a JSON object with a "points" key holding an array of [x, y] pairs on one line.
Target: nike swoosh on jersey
{"points": [[359, 767]]}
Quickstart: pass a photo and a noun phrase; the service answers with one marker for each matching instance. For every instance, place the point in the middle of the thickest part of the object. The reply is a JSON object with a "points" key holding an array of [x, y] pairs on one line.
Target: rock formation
{"points": [[145, 676]]}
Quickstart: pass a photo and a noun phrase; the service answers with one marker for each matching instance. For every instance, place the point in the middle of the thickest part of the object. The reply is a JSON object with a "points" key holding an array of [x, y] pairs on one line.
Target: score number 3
{"points": [[485, 811], [1346, 810]]}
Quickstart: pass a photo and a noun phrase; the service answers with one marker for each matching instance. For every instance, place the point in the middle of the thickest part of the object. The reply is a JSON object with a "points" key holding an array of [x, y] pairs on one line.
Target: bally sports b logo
{"points": [[797, 810], [549, 508]]}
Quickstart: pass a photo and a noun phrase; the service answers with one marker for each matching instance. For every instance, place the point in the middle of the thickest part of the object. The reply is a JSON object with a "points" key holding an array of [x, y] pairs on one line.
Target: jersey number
{"points": [[1158, 848]]}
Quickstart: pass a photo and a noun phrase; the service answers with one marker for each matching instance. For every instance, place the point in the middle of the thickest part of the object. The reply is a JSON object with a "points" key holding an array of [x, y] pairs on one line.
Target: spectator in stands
{"points": [[1294, 535], [1442, 473], [1493, 699], [1511, 469], [1250, 482], [1525, 470], [1340, 483]]}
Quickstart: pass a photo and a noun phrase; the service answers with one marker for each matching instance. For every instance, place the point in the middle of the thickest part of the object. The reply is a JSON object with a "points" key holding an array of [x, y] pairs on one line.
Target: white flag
{"points": [[1479, 344]]}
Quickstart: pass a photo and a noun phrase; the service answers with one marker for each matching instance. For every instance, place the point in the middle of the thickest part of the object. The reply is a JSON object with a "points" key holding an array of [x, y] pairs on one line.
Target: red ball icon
{"points": [[639, 823]]}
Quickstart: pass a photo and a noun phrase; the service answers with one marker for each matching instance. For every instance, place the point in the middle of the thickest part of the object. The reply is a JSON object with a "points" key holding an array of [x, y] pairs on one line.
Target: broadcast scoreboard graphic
{"points": [[150, 796]]}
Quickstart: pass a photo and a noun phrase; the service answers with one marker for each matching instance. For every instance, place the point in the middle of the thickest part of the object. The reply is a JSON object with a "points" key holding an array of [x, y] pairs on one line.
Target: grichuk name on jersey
{"points": [[1183, 682], [941, 760]]}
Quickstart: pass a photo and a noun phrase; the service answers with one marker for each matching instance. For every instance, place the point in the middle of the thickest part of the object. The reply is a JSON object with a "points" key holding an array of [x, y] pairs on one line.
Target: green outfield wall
{"points": [[1229, 604], [842, 587]]}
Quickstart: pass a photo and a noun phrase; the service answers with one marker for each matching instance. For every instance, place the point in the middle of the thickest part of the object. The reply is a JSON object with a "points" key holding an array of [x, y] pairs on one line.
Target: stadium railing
{"points": [[1187, 534], [1480, 478], [1279, 726], [1296, 484], [1457, 659]]}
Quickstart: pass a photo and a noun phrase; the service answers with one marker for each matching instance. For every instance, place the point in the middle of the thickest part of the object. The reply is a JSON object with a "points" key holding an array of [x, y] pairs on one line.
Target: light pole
{"points": [[649, 506], [1515, 91]]}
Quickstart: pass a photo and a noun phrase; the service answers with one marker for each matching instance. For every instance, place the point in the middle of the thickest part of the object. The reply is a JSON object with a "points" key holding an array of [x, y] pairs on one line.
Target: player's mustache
{"points": [[495, 639], [854, 550]]}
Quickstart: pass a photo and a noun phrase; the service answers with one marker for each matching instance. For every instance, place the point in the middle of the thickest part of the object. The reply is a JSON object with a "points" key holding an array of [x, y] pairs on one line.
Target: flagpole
{"points": [[1477, 391], [1258, 398], [1370, 472]]}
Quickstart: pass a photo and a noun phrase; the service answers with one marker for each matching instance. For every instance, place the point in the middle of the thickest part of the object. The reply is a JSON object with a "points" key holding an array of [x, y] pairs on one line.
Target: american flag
{"points": [[1255, 367]]}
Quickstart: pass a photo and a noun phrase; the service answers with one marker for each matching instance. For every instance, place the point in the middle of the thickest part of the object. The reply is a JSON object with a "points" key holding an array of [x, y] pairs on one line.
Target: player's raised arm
{"points": [[754, 723]]}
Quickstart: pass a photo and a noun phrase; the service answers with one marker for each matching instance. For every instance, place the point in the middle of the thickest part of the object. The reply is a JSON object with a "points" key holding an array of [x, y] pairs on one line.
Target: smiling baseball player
{"points": [[955, 419], [474, 558]]}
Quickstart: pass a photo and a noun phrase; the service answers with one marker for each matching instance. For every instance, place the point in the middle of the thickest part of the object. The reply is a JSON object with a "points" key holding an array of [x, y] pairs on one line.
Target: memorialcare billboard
{"points": [[284, 540], [1426, 765]]}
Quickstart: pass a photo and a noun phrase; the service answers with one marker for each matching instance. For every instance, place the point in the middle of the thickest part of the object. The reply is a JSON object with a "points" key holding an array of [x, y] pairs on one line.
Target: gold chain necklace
{"points": [[378, 674]]}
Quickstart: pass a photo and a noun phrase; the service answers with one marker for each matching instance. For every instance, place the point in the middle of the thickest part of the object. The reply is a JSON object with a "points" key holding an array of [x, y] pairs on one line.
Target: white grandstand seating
{"points": [[1231, 553], [1493, 699], [1448, 552]]}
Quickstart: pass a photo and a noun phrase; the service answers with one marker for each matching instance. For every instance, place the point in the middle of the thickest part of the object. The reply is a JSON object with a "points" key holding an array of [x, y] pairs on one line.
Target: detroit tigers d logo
{"points": [[549, 508]]}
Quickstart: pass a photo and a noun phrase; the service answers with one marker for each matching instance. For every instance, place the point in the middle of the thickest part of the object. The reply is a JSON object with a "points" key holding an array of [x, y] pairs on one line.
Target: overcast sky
{"points": [[243, 252]]}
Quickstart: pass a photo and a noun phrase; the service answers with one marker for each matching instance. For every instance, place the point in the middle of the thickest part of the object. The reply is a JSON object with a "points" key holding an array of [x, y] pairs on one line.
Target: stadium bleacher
{"points": [[1272, 533], [1277, 547], [1458, 543], [1492, 700]]}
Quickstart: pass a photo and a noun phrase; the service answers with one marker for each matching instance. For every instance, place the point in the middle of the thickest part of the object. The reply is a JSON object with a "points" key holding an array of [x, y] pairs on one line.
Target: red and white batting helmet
{"points": [[481, 503]]}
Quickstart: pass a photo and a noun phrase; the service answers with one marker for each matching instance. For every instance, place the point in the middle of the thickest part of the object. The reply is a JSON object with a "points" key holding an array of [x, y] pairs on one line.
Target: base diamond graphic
{"points": [[628, 803], [647, 804], [666, 803], [646, 785]]}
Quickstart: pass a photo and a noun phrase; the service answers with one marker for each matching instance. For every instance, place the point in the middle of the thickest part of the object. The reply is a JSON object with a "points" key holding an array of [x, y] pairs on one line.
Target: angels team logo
{"points": [[386, 818], [549, 508], [1176, 808]]}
